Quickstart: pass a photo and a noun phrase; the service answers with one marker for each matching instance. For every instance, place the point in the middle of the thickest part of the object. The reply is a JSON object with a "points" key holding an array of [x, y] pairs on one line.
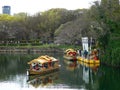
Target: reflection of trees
{"points": [[109, 78], [75, 79], [13, 64]]}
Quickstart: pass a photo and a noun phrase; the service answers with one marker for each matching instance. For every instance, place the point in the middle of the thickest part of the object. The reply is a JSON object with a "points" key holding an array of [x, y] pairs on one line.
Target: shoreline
{"points": [[35, 50], [29, 50]]}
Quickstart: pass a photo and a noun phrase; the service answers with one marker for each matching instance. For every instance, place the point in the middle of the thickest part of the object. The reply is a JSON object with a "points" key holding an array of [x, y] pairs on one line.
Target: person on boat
{"points": [[85, 53], [95, 53], [91, 55], [79, 52]]}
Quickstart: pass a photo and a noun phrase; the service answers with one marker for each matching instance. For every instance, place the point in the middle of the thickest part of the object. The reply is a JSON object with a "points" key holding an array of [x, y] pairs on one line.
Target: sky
{"points": [[34, 6]]}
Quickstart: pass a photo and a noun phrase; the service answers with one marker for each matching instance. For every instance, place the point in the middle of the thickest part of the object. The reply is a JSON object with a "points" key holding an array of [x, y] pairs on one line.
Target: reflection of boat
{"points": [[43, 65], [88, 61], [70, 54], [70, 57], [71, 64], [89, 70], [44, 80]]}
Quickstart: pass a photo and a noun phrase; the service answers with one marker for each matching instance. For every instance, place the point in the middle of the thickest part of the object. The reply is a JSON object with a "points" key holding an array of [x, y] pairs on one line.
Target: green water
{"points": [[72, 75]]}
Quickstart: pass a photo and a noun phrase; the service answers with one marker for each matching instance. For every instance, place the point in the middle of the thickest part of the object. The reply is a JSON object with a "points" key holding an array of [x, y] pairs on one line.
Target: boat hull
{"points": [[32, 72], [91, 65], [88, 61]]}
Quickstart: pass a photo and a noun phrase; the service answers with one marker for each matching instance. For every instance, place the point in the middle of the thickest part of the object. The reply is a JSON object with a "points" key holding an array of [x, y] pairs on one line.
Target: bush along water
{"points": [[112, 53]]}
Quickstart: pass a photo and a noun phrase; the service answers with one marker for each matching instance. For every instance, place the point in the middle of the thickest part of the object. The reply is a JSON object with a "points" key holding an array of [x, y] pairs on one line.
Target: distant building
{"points": [[6, 10]]}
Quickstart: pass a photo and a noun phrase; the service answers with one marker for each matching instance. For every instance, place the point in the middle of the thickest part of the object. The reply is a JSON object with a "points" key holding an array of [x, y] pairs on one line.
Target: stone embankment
{"points": [[29, 50]]}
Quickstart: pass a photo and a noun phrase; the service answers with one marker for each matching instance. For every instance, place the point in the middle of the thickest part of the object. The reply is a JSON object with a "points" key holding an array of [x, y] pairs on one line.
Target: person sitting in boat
{"points": [[79, 52], [94, 55], [36, 66], [91, 55], [46, 65]]}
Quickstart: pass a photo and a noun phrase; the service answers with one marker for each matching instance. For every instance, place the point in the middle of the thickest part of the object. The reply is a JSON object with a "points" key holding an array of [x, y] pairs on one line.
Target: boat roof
{"points": [[38, 61], [43, 59], [54, 59], [70, 50], [48, 58]]}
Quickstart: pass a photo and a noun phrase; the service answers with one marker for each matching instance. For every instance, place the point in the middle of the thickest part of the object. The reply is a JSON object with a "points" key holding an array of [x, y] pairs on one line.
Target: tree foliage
{"points": [[107, 13], [40, 26]]}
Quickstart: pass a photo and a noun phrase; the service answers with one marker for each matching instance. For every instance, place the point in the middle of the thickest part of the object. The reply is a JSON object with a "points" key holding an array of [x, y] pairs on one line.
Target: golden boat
{"points": [[42, 65], [70, 54]]}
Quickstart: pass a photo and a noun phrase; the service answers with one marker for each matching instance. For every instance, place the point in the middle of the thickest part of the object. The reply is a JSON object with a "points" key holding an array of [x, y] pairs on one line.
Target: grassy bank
{"points": [[42, 46]]}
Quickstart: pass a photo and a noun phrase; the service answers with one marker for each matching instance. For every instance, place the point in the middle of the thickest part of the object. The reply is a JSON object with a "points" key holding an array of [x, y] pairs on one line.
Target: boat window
{"points": [[40, 65], [53, 64], [33, 64], [46, 65]]}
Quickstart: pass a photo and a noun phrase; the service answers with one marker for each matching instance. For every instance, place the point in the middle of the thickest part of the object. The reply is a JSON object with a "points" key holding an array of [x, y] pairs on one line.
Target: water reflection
{"points": [[72, 75], [90, 74], [71, 64], [44, 80]]}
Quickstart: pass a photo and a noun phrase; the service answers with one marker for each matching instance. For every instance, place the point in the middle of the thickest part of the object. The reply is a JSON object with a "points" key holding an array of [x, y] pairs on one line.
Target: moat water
{"points": [[72, 75]]}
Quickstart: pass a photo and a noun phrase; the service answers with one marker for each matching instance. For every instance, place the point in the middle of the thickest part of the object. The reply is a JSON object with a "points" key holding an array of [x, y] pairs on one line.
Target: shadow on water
{"points": [[72, 74]]}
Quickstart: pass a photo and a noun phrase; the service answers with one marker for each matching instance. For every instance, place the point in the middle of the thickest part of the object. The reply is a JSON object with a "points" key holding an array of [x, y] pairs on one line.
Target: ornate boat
{"points": [[70, 54], [42, 65]]}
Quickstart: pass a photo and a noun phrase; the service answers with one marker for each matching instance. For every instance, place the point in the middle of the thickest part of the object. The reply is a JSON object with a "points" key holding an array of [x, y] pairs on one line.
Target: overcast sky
{"points": [[34, 6]]}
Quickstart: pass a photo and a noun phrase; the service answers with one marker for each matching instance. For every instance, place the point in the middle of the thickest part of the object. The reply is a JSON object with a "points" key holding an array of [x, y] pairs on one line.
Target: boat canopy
{"points": [[45, 57], [53, 59], [70, 49], [38, 61], [48, 58]]}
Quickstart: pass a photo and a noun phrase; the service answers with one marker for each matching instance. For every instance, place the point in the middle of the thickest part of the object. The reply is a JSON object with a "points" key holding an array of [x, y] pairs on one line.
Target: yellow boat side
{"points": [[88, 61]]}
